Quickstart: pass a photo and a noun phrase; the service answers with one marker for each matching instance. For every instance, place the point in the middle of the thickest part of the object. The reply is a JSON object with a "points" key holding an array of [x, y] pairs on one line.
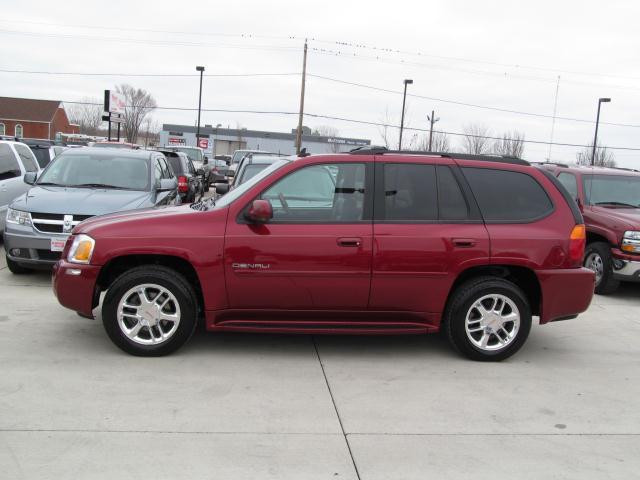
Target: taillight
{"points": [[577, 242], [183, 185]]}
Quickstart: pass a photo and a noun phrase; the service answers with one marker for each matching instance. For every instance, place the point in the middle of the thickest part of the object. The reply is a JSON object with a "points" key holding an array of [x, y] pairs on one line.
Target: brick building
{"points": [[31, 118]]}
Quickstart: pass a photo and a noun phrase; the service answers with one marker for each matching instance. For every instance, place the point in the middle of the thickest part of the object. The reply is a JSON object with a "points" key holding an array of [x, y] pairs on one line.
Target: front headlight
{"points": [[18, 217], [631, 242], [81, 249]]}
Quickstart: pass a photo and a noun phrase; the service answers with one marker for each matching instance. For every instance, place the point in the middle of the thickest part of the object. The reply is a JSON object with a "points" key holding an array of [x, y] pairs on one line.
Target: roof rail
{"points": [[626, 169], [557, 164], [460, 156]]}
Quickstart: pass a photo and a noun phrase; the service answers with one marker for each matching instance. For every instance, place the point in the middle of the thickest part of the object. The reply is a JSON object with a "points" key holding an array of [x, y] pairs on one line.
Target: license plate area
{"points": [[57, 244]]}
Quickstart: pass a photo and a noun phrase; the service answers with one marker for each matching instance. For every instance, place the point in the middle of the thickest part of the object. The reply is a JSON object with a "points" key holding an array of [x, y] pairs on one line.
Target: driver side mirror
{"points": [[166, 184], [260, 211], [30, 178]]}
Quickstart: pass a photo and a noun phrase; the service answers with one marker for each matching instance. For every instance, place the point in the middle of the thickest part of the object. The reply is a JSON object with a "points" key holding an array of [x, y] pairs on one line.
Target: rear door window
{"points": [[507, 196], [9, 167], [568, 180], [26, 155], [410, 192], [452, 204], [174, 161]]}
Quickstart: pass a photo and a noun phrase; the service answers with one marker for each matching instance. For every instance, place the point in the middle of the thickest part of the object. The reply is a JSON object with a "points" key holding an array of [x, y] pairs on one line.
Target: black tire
{"points": [[606, 285], [206, 184], [461, 303], [159, 275], [15, 268]]}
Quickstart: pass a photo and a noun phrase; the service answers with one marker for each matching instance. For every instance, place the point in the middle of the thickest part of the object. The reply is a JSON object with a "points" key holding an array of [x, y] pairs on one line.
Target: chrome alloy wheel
{"points": [[492, 322], [594, 262], [148, 314]]}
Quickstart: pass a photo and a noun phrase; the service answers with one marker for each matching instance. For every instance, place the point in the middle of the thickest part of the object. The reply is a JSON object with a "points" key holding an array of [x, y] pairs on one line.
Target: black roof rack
{"points": [[461, 156], [557, 164]]}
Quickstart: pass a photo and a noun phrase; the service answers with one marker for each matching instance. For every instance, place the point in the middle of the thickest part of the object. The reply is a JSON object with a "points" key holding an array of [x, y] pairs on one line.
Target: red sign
{"points": [[203, 143], [177, 141]]}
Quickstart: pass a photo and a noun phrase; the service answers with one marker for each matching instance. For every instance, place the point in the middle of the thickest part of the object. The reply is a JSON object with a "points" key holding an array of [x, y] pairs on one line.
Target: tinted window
{"points": [[157, 170], [9, 167], [42, 156], [451, 202], [614, 190], [410, 192], [28, 160], [320, 193], [505, 196], [176, 165], [568, 180], [166, 171]]}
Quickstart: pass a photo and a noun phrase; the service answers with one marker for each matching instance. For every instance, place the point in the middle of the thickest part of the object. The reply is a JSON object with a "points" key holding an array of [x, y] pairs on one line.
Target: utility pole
{"points": [[595, 138], [433, 120], [304, 77], [201, 70], [553, 122], [404, 99]]}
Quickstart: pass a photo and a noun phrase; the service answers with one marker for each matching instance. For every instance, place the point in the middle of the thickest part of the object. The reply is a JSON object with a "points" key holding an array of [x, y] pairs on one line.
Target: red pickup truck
{"points": [[370, 242], [609, 199]]}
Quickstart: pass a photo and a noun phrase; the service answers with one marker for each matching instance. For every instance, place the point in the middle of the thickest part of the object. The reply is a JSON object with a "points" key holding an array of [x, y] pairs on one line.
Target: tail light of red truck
{"points": [[183, 185]]}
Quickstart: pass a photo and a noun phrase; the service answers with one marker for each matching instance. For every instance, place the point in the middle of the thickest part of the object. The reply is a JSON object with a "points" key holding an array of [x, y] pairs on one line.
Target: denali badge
{"points": [[251, 266]]}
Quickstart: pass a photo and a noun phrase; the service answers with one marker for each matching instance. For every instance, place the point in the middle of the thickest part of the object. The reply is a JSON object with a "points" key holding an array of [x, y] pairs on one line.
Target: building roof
{"points": [[28, 109], [234, 132]]}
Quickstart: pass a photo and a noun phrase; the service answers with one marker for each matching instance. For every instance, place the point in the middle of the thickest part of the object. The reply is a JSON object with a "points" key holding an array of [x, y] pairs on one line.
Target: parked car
{"points": [[200, 162], [474, 246], [250, 166], [15, 161], [237, 156], [609, 199], [79, 184], [43, 149], [190, 185]]}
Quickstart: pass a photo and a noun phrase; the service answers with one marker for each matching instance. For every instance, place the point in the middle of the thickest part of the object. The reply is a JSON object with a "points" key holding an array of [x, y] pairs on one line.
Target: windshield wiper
{"points": [[98, 185], [51, 184], [621, 204]]}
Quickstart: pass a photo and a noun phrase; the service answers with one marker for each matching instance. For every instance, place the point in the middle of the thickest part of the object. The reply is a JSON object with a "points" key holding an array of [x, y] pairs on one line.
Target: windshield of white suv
{"points": [[195, 154], [612, 190], [236, 192], [117, 171]]}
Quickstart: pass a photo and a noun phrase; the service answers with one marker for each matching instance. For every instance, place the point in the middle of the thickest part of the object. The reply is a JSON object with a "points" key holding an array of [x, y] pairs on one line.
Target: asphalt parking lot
{"points": [[239, 406]]}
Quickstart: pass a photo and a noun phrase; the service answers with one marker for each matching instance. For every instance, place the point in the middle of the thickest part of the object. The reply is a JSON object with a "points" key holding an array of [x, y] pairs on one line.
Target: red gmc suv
{"points": [[370, 242], [609, 199]]}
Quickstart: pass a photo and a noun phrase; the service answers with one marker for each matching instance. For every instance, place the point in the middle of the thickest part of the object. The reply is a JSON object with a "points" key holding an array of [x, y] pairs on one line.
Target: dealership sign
{"points": [[114, 102], [203, 143], [177, 141]]}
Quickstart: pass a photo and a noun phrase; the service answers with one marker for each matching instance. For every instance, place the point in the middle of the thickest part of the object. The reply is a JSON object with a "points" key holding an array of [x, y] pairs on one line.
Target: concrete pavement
{"points": [[238, 406]]}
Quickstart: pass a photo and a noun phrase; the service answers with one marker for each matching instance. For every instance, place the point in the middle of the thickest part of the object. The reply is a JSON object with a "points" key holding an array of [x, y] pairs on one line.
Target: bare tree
{"points": [[325, 131], [475, 139], [603, 158], [139, 104], [87, 113], [151, 132], [385, 128], [511, 144], [439, 142]]}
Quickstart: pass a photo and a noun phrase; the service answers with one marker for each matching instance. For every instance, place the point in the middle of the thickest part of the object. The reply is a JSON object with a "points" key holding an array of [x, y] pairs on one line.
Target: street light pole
{"points": [[404, 99], [201, 70], [595, 138]]}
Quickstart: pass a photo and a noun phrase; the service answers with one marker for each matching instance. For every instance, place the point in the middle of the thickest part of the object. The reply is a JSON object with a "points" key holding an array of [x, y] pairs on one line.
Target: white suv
{"points": [[16, 159]]}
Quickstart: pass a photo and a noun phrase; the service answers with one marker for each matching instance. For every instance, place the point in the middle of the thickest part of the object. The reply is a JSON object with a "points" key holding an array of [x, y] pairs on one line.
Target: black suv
{"points": [[190, 184]]}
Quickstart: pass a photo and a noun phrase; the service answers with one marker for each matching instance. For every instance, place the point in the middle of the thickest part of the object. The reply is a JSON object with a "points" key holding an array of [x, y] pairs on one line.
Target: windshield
{"points": [[251, 171], [236, 192], [91, 170], [194, 154], [614, 190]]}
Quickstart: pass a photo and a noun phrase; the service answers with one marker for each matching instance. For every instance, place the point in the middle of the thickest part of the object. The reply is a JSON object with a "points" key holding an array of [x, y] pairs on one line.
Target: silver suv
{"points": [[16, 159]]}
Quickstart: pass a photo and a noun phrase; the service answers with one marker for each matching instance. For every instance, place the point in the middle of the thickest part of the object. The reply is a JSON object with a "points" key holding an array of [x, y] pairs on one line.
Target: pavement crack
{"points": [[335, 407]]}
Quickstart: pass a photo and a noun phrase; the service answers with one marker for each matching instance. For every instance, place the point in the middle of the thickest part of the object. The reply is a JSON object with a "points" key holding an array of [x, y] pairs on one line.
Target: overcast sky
{"points": [[502, 54]]}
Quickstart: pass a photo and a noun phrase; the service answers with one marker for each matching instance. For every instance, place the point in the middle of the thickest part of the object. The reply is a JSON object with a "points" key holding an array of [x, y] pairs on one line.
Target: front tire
{"points": [[487, 319], [150, 311], [15, 268], [597, 257]]}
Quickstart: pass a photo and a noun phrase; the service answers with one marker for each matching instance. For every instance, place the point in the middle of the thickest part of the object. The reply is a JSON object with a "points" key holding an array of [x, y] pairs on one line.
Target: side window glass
{"points": [[451, 201], [27, 157], [568, 180], [166, 171], [192, 169], [410, 192], [320, 193], [507, 196], [157, 171], [9, 167]]}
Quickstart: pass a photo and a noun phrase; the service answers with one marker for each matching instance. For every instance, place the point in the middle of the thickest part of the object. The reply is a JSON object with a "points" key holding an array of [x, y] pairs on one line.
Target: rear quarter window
{"points": [[505, 196]]}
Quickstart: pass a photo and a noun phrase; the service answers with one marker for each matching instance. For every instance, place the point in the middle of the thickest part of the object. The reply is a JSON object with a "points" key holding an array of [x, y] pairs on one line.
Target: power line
{"points": [[362, 122], [102, 74], [464, 104]]}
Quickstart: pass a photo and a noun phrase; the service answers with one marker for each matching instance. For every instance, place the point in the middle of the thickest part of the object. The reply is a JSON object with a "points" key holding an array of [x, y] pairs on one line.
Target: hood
{"points": [[630, 216], [80, 201]]}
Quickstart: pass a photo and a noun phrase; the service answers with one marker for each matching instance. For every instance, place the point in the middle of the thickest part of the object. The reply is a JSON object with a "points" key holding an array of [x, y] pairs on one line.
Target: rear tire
{"points": [[597, 257], [140, 330], [500, 331], [15, 268]]}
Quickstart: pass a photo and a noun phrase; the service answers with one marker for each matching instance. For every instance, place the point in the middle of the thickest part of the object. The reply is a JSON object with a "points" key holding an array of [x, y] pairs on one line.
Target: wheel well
{"points": [[523, 277], [594, 237], [117, 266]]}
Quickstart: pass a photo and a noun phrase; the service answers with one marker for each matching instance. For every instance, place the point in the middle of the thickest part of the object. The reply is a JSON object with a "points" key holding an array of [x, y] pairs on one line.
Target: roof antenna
{"points": [[303, 153]]}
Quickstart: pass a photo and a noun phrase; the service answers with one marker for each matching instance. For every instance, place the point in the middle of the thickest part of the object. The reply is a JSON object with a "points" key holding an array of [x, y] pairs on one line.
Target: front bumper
{"points": [[565, 292], [74, 285], [29, 248], [625, 267]]}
